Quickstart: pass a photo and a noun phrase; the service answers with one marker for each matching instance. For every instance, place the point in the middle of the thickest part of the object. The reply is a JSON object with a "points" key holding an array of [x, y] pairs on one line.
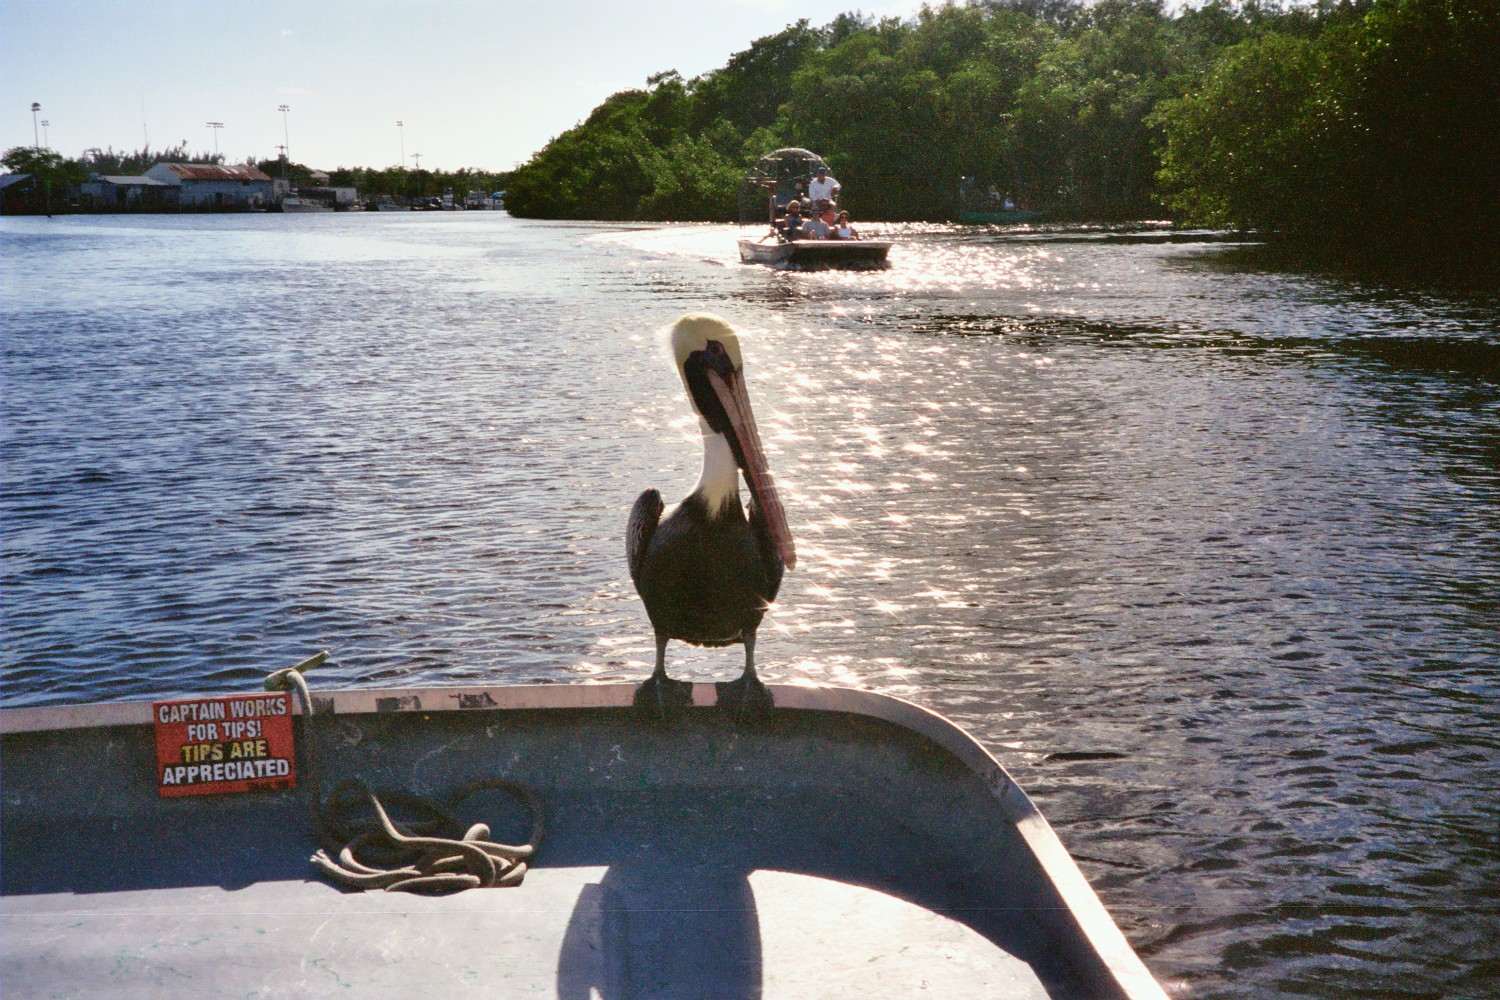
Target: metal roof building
{"points": [[210, 185]]}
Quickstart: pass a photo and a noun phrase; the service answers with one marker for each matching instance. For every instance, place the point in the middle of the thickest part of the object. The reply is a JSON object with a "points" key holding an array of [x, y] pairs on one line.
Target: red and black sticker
{"points": [[208, 746]]}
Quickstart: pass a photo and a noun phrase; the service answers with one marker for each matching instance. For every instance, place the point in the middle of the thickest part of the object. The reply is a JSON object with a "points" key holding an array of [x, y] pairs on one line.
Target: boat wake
{"points": [[710, 243]]}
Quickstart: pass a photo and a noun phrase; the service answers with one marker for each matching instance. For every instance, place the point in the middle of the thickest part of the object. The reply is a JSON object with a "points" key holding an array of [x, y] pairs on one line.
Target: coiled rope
{"points": [[433, 854]]}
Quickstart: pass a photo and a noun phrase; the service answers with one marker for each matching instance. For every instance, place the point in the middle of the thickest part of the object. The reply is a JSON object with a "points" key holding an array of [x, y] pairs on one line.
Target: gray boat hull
{"points": [[817, 253], [853, 845]]}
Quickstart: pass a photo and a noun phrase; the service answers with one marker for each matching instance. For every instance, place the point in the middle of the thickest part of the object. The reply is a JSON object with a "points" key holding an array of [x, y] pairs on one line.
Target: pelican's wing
{"points": [[644, 517], [775, 568]]}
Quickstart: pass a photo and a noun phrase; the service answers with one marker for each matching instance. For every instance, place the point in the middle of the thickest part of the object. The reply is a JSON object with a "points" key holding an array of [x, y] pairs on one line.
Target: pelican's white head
{"points": [[707, 353], [692, 334]]}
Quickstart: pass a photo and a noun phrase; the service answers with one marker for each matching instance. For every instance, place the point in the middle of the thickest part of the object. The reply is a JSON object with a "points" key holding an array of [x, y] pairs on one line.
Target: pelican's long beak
{"points": [[730, 389]]}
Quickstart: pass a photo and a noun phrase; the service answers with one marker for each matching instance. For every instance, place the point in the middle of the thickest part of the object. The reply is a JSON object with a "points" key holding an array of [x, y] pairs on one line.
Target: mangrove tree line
{"points": [[1342, 116]]}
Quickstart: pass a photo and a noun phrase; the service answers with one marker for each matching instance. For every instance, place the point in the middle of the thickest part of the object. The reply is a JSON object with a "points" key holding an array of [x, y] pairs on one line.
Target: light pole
{"points": [[285, 134], [35, 107], [46, 142], [401, 129], [214, 127], [418, 158]]}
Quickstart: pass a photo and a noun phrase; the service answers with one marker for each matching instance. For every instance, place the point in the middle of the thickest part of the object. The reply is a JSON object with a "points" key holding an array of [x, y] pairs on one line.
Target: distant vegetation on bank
{"points": [[62, 173], [1346, 118]]}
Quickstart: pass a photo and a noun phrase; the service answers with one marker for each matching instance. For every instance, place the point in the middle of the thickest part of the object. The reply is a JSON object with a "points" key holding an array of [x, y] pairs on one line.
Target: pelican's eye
{"points": [[718, 358]]}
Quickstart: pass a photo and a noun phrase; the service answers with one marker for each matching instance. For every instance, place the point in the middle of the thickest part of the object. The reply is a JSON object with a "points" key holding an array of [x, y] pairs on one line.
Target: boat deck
{"points": [[821, 853]]}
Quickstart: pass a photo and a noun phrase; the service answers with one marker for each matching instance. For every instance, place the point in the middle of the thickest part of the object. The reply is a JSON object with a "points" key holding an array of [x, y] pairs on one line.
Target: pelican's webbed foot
{"points": [[659, 695], [662, 697], [745, 699]]}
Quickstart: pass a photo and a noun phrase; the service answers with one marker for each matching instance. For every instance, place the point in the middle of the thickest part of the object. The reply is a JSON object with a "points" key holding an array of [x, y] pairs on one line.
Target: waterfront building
{"points": [[204, 185], [127, 194], [20, 194]]}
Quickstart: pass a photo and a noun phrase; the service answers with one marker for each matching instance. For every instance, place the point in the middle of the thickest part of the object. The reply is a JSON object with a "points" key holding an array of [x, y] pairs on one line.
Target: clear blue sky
{"points": [[478, 84]]}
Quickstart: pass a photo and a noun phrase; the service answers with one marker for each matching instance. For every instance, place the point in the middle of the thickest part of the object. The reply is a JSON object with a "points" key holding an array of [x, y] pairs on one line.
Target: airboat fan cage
{"points": [[782, 174]]}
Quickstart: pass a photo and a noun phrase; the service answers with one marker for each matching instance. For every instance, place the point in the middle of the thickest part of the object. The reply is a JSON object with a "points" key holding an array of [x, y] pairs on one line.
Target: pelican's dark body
{"points": [[704, 576]]}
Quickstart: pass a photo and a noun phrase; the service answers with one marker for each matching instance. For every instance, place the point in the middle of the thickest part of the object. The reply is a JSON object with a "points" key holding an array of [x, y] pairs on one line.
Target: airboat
{"points": [[777, 179]]}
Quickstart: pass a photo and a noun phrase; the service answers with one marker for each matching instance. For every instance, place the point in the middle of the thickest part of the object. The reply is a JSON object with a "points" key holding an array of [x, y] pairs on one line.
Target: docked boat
{"points": [[293, 203], [852, 844], [777, 179], [984, 204]]}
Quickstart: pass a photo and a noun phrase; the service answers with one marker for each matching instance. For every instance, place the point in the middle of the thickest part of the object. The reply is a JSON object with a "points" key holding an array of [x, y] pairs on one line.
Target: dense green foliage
{"points": [[108, 163], [1384, 127], [1046, 99], [399, 184], [47, 166], [1348, 114], [53, 177]]}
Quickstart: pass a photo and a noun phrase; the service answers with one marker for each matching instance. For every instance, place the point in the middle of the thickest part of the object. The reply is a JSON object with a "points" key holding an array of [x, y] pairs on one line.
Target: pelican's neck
{"points": [[720, 481]]}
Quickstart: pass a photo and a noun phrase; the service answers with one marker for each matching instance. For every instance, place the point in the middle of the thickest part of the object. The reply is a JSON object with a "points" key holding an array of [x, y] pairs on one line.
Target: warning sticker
{"points": [[209, 746]]}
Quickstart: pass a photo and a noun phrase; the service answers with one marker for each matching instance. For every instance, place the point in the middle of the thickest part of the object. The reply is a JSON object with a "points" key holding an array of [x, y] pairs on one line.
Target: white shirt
{"points": [[821, 189]]}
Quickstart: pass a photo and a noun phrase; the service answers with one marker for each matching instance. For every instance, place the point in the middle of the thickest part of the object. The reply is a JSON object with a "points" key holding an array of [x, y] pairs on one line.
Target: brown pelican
{"points": [[706, 572]]}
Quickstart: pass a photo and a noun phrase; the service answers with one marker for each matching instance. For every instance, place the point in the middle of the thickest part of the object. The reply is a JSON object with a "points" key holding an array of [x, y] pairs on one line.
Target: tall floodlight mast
{"points": [[286, 138]]}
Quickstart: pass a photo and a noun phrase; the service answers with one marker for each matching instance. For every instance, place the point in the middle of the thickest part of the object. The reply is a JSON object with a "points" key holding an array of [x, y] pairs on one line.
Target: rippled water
{"points": [[1207, 554]]}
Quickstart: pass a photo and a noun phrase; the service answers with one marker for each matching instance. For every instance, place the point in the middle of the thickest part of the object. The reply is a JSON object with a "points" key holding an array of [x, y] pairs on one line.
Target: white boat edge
{"points": [[1098, 926]]}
